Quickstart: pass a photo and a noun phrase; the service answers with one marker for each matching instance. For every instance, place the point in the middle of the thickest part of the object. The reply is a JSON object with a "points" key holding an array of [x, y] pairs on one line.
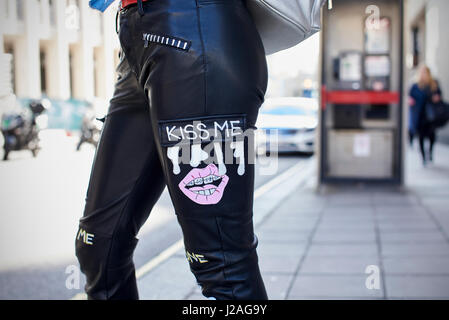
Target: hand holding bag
{"points": [[436, 114], [285, 23]]}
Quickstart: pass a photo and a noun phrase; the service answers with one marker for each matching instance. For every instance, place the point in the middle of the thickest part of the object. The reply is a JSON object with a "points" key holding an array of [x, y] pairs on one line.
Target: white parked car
{"points": [[293, 119]]}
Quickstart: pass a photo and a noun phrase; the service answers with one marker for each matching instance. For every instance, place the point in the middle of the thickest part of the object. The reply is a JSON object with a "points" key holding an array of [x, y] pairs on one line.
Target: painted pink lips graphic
{"points": [[204, 186]]}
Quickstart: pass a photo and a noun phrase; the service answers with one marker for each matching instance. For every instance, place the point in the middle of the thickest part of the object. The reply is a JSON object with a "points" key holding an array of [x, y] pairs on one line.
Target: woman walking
{"points": [[425, 90]]}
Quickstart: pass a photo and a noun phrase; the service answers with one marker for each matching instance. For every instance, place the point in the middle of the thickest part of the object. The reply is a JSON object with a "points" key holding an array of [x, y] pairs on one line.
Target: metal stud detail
{"points": [[165, 40]]}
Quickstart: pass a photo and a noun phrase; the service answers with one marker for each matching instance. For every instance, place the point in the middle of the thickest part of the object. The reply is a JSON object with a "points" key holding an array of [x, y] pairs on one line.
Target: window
{"points": [[416, 49], [20, 9], [71, 71], [52, 12], [9, 49], [43, 58]]}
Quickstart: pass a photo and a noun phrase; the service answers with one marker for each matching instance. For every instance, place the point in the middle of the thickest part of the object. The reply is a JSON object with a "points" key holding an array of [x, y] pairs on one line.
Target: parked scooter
{"points": [[21, 132], [90, 130]]}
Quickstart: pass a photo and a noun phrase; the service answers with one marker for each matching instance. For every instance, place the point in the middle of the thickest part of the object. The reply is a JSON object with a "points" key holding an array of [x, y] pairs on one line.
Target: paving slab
{"points": [[347, 218], [432, 265], [346, 224], [346, 227], [286, 264], [274, 236], [343, 250], [356, 210], [284, 249], [417, 287], [332, 287], [412, 237], [344, 236], [416, 249], [396, 224], [337, 265], [277, 285], [300, 225], [408, 227], [172, 280]]}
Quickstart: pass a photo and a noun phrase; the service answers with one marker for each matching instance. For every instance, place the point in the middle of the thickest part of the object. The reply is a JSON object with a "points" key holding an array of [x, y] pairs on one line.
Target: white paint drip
{"points": [[173, 154], [220, 162], [197, 155], [239, 152]]}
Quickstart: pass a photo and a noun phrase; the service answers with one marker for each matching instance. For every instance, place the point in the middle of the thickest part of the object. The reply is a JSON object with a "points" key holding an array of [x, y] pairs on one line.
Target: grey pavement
{"points": [[355, 242]]}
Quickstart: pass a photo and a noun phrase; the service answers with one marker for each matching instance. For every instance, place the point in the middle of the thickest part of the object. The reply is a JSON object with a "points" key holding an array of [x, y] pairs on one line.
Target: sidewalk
{"points": [[318, 246]]}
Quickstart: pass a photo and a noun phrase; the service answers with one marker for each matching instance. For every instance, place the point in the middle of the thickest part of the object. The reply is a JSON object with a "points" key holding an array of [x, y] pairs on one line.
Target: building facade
{"points": [[57, 48]]}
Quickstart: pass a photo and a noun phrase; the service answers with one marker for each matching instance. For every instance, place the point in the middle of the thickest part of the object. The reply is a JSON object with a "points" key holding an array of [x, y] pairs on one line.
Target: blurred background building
{"points": [[294, 72], [67, 52], [63, 50], [59, 49]]}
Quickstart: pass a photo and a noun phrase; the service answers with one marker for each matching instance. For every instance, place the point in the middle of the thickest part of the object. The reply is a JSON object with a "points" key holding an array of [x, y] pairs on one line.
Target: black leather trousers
{"points": [[191, 79]]}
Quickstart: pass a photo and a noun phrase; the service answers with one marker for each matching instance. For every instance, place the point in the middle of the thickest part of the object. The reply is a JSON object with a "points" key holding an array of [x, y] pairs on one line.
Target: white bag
{"points": [[285, 23]]}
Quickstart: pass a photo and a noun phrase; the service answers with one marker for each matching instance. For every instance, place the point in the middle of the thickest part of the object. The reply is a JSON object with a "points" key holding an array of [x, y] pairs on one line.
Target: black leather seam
{"points": [[118, 223], [203, 48], [224, 256]]}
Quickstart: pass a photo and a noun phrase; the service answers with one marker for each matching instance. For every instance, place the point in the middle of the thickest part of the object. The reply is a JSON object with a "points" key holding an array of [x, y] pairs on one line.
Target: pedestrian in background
{"points": [[425, 90]]}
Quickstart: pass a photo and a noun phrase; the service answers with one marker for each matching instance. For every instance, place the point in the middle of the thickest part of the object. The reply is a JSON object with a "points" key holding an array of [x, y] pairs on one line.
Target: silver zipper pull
{"points": [[329, 4]]}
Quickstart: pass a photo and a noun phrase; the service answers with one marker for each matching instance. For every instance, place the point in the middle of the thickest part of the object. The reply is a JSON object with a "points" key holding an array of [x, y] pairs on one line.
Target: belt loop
{"points": [[140, 6]]}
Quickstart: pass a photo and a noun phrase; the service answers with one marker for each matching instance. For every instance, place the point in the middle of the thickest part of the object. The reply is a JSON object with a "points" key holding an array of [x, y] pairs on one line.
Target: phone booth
{"points": [[361, 94]]}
